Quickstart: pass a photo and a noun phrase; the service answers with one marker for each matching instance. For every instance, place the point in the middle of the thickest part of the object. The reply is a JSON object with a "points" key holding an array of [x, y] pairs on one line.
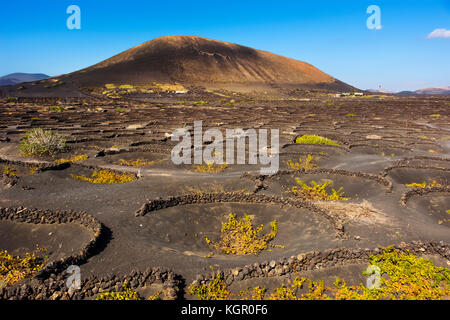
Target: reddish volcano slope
{"points": [[196, 60]]}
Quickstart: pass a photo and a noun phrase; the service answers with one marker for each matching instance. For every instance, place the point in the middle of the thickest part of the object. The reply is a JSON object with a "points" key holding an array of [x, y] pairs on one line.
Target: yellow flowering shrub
{"points": [[126, 294], [76, 158], [316, 192], [214, 290], [307, 164], [106, 176], [138, 162], [14, 269], [408, 278], [403, 276], [9, 171], [210, 167], [238, 236], [424, 184]]}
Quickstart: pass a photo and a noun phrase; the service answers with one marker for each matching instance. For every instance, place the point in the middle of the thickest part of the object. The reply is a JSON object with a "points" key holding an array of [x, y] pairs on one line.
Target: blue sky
{"points": [[332, 35]]}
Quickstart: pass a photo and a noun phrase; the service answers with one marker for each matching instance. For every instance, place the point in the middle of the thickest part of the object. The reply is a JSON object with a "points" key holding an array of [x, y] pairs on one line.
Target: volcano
{"points": [[192, 60]]}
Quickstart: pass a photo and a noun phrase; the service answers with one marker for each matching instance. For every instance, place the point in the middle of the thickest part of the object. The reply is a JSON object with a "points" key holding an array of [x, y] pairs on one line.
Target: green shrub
{"points": [[11, 99], [56, 108], [40, 142], [313, 139], [57, 84]]}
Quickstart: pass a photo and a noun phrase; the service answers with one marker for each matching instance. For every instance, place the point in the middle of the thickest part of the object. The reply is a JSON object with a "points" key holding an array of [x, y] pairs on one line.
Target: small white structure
{"points": [[348, 94]]}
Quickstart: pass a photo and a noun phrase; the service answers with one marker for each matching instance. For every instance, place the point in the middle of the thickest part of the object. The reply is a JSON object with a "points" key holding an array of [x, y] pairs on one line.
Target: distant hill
{"points": [[194, 60], [436, 90], [15, 78]]}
